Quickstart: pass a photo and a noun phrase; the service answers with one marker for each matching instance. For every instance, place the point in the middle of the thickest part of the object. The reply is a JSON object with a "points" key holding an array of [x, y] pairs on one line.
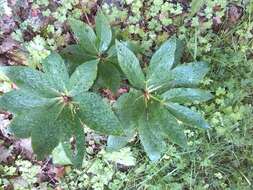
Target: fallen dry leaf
{"points": [[7, 45], [234, 13]]}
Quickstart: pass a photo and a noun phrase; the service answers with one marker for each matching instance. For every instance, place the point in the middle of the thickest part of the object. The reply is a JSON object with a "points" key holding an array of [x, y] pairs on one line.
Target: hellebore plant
{"points": [[51, 107], [153, 106], [95, 45]]}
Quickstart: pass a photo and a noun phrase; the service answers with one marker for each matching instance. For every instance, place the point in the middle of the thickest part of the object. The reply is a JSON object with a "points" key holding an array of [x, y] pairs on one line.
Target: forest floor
{"points": [[219, 32]]}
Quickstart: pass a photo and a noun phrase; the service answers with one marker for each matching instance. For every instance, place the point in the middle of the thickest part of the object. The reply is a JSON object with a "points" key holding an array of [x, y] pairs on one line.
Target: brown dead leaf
{"points": [[4, 122], [23, 147], [5, 153], [7, 45], [59, 172], [217, 23], [7, 24], [17, 57], [235, 12], [121, 91]]}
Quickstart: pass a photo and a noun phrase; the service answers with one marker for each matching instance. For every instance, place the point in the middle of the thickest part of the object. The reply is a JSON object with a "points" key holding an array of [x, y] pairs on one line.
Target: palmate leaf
{"points": [[108, 74], [153, 124], [50, 118], [152, 108]]}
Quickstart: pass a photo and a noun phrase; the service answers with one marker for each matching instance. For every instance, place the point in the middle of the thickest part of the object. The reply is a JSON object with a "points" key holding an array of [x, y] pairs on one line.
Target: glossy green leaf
{"points": [[163, 58], [30, 79], [162, 120], [187, 115], [83, 77], [189, 75], [44, 139], [151, 139], [97, 115], [52, 125], [45, 134], [49, 120], [103, 31], [112, 51], [85, 35], [130, 66], [56, 71], [22, 125], [129, 108], [71, 127], [156, 119], [17, 101], [160, 65], [186, 95], [108, 76]]}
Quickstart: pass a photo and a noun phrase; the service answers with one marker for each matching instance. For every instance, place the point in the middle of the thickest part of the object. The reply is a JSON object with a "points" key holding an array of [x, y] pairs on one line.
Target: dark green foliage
{"points": [[152, 107], [50, 106], [94, 45]]}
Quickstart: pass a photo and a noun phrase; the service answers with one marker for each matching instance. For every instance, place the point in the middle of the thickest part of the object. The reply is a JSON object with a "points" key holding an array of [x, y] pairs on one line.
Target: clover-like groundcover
{"points": [[152, 106], [51, 107]]}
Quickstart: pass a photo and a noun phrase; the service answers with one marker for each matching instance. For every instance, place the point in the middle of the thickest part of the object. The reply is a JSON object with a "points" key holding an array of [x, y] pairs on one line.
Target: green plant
{"points": [[152, 107], [93, 46], [96, 45], [101, 172], [21, 175], [52, 107]]}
